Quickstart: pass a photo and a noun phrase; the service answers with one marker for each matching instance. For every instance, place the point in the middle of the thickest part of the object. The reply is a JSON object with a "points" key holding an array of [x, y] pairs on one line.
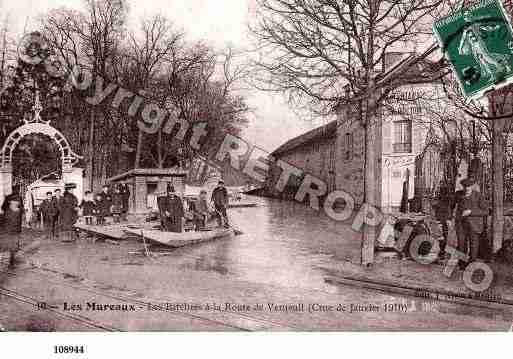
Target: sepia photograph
{"points": [[255, 166]]}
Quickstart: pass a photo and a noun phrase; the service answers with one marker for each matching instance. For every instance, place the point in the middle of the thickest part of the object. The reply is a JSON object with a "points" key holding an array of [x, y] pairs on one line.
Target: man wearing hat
{"points": [[68, 213], [171, 211], [220, 199], [50, 211], [470, 211], [104, 204], [10, 225]]}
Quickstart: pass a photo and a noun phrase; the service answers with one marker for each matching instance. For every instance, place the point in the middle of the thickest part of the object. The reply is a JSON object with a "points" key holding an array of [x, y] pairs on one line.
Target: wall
{"points": [[316, 158], [5, 182], [350, 171]]}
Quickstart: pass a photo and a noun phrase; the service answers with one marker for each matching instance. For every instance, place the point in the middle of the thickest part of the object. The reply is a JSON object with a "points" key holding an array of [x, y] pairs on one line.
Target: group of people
{"points": [[61, 212], [470, 212], [60, 216], [173, 213], [106, 203]]}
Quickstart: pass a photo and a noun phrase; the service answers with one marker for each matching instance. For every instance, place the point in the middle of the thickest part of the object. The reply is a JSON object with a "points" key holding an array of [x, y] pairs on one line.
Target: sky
{"points": [[217, 22]]}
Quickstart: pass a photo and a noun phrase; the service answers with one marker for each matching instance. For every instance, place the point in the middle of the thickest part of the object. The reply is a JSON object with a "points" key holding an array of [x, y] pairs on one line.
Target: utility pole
{"points": [[498, 182]]}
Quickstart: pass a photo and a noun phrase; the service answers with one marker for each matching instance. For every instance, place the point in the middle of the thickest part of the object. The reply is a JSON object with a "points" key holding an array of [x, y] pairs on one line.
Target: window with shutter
{"points": [[402, 136]]}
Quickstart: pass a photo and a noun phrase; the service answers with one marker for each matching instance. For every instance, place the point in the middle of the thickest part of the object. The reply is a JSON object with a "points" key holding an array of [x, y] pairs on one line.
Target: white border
{"points": [[258, 345]]}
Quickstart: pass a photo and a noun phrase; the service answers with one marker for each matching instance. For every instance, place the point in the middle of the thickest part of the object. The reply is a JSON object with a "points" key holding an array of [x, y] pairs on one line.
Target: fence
{"points": [[433, 167]]}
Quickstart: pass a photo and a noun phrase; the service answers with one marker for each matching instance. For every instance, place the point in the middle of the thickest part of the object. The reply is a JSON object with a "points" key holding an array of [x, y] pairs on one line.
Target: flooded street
{"points": [[284, 243], [272, 277]]}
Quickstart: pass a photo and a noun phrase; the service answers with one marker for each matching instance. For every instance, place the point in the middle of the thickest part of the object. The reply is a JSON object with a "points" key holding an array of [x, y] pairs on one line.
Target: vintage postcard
{"points": [[255, 165]]}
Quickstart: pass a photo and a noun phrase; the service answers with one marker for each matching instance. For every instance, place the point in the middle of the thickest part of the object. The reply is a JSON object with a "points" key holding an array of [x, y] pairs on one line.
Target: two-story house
{"points": [[335, 152]]}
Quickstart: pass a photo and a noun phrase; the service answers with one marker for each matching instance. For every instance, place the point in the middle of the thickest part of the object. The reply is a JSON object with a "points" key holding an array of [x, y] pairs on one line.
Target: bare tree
{"points": [[88, 39], [154, 62], [312, 49], [7, 52], [200, 86], [7, 59], [147, 54], [315, 51]]}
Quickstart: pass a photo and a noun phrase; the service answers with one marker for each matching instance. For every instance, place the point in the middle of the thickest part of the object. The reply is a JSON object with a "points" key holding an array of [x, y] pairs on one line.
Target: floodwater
{"points": [[283, 257], [283, 243]]}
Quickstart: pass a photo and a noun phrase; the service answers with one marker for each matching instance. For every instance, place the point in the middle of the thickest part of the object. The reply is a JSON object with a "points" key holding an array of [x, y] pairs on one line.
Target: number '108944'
{"points": [[68, 349]]}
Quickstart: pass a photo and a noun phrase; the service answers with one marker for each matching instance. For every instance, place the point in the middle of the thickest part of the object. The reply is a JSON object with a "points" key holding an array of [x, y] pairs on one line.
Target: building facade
{"points": [[405, 127], [335, 153], [398, 135]]}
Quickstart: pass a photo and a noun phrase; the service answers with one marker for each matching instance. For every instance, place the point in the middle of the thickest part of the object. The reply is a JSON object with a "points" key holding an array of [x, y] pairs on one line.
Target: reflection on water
{"points": [[283, 243]]}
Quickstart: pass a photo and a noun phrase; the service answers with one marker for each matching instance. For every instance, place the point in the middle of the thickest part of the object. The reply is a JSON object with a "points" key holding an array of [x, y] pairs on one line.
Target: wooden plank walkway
{"points": [[116, 231]]}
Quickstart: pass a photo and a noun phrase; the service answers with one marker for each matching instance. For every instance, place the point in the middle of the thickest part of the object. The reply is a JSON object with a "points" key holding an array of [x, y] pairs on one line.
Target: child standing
{"points": [[117, 204], [88, 207], [98, 210]]}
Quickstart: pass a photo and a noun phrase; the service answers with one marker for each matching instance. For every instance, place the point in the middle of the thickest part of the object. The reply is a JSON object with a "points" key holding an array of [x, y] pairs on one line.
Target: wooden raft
{"points": [[171, 239]]}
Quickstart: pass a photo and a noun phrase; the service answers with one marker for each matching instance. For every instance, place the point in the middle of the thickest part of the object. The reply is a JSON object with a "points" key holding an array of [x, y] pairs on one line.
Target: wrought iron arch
{"points": [[69, 158]]}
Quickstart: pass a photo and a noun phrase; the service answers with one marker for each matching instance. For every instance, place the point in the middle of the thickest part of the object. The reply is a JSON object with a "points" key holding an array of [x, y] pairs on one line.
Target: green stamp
{"points": [[478, 42]]}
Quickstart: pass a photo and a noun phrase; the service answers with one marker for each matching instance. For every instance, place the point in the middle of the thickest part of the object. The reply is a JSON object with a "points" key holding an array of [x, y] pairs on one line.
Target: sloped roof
{"points": [[423, 71], [410, 69], [327, 131]]}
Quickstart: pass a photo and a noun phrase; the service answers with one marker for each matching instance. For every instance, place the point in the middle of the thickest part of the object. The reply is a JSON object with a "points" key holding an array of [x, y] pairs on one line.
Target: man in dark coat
{"points": [[126, 198], [15, 194], [49, 211], [104, 203], [57, 198], [469, 215], [220, 199], [171, 211], [68, 213], [443, 213], [10, 224]]}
